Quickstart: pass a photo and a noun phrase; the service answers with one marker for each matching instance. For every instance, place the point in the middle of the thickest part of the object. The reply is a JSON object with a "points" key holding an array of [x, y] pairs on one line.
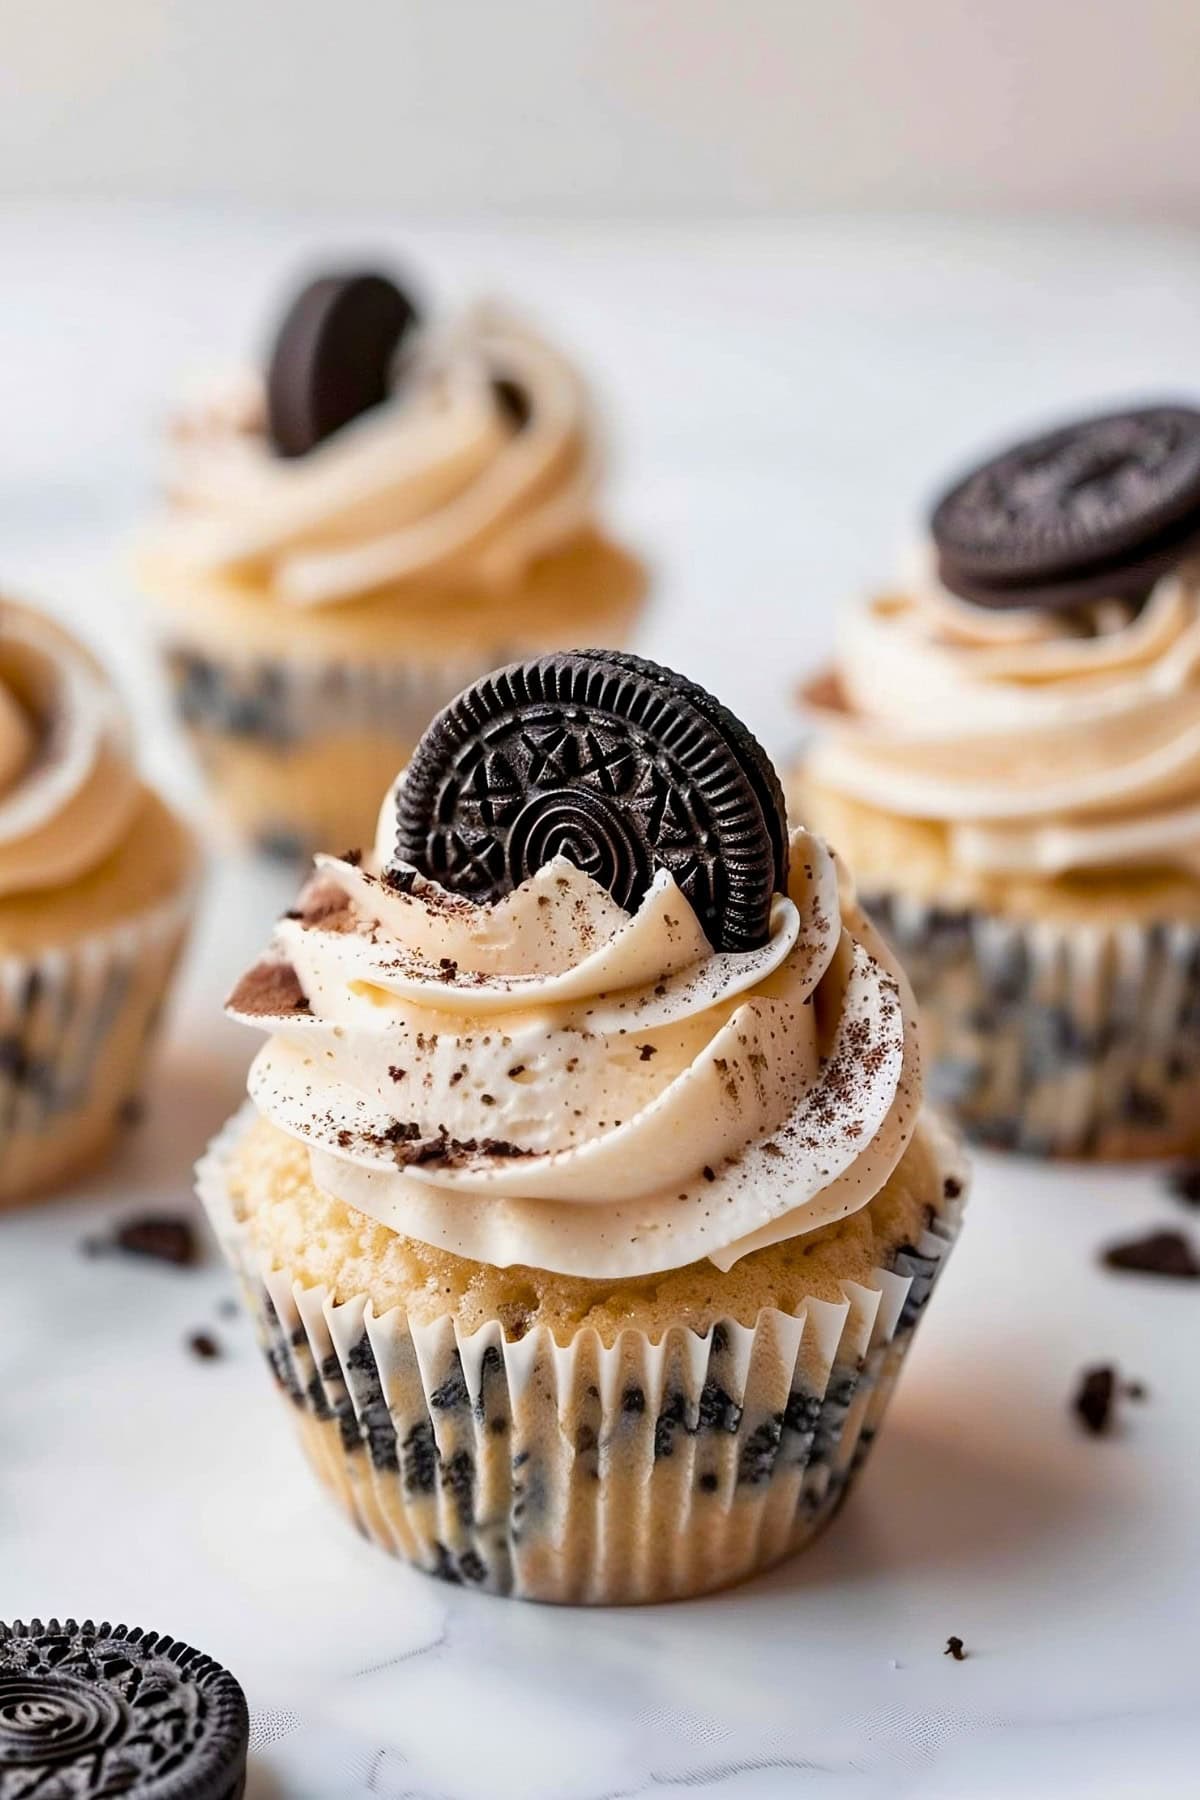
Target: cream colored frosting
{"points": [[553, 1081], [1044, 745], [68, 787], [436, 484]]}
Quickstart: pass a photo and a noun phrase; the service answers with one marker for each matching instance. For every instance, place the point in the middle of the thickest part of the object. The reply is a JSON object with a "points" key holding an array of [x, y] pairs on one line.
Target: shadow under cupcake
{"points": [[586, 1205]]}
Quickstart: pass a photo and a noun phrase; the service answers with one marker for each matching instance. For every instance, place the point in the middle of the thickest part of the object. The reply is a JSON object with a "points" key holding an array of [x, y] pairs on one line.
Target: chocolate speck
{"points": [[1158, 1253], [204, 1346], [397, 1074], [1184, 1183], [163, 1237], [954, 1648], [646, 1051]]}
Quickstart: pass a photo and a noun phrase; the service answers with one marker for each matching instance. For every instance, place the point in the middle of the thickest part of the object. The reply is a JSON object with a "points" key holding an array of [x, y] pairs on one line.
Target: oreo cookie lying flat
{"points": [[1102, 507], [333, 356], [616, 763], [92, 1711]]}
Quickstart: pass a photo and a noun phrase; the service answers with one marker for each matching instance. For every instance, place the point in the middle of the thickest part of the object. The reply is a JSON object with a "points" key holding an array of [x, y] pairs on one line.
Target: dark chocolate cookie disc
{"points": [[333, 357], [1100, 507], [619, 765], [92, 1711]]}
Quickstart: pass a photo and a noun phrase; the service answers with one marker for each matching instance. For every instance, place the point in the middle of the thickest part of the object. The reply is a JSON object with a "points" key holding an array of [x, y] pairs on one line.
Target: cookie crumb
{"points": [[203, 1346], [162, 1237], [954, 1648], [1096, 1398], [1166, 1253], [1184, 1183]]}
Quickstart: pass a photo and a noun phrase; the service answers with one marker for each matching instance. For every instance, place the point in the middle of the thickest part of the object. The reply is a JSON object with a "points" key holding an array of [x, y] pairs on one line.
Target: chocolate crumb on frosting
{"points": [[1157, 1253], [269, 990]]}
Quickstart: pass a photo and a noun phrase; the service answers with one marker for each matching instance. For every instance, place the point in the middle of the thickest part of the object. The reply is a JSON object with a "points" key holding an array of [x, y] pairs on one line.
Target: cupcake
{"points": [[96, 887], [585, 1203], [1009, 754], [384, 514]]}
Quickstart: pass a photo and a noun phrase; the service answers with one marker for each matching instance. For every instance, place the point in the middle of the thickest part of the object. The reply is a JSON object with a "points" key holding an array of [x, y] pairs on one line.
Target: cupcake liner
{"points": [[584, 1473], [1056, 1040], [76, 1025], [300, 751]]}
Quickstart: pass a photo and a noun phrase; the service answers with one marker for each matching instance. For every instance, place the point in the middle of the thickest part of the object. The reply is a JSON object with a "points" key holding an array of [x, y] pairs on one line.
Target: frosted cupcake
{"points": [[96, 888], [1010, 757], [586, 1206], [384, 515]]}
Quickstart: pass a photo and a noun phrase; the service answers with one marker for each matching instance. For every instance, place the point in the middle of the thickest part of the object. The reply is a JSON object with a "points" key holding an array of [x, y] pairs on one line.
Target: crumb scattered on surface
{"points": [[1096, 1398], [204, 1346], [163, 1237], [954, 1648], [1184, 1183], [1157, 1253]]}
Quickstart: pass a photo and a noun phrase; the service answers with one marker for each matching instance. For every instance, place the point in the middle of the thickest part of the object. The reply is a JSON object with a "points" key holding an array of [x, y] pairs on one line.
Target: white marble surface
{"points": [[784, 394]]}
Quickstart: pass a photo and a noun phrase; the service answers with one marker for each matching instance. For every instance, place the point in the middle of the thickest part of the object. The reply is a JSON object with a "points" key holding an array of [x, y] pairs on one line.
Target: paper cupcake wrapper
{"points": [[76, 1025], [299, 752], [583, 1473], [1056, 1040]]}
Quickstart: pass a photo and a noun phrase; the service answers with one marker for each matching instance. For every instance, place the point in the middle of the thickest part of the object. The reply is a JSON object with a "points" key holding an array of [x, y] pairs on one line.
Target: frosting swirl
{"points": [[553, 1081], [484, 459], [1044, 745], [69, 790]]}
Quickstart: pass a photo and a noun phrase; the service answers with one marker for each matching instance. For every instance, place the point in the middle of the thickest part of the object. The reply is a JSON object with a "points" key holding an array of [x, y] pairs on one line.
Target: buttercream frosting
{"points": [[1043, 744], [447, 482], [69, 790], [550, 1080]]}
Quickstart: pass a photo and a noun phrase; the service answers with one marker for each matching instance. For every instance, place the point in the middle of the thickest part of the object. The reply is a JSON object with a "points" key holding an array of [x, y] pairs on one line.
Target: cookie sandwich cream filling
{"points": [[69, 791], [482, 457], [1034, 688]]}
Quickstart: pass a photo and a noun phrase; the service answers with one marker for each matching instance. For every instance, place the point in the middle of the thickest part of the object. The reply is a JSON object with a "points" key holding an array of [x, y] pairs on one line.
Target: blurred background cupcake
{"points": [[97, 879], [587, 1207], [386, 511], [1009, 754]]}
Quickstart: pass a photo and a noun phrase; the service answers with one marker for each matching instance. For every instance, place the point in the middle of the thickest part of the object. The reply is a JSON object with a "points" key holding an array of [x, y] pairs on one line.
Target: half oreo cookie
{"points": [[332, 358], [615, 763], [89, 1711], [1101, 507]]}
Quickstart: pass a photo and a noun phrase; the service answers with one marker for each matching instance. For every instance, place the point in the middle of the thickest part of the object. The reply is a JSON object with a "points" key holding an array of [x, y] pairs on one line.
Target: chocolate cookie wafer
{"points": [[621, 766]]}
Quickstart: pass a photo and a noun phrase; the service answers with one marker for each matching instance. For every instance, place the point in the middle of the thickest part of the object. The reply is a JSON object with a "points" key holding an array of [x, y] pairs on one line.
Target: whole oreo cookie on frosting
{"points": [[332, 357], [91, 1711], [1101, 507], [616, 763]]}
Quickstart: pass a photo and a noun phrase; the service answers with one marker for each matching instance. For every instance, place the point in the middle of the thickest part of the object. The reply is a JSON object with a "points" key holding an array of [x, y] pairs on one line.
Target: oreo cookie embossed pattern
{"points": [[89, 1712], [1096, 510], [620, 766]]}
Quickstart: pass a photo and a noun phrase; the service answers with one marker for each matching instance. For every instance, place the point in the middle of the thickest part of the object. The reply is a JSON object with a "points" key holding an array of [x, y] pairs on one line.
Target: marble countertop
{"points": [[783, 395]]}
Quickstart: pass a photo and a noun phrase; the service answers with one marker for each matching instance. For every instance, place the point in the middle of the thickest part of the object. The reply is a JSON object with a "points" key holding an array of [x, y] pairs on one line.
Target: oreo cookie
{"points": [[90, 1711], [333, 356], [1098, 508], [616, 763]]}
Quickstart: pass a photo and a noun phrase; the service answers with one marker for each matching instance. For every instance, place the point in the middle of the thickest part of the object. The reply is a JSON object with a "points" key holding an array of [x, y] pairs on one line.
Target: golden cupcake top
{"points": [[376, 450], [1033, 686], [586, 1005]]}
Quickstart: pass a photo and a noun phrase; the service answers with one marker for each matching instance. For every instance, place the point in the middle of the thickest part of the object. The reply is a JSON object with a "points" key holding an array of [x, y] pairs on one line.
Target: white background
{"points": [[784, 396], [654, 108]]}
